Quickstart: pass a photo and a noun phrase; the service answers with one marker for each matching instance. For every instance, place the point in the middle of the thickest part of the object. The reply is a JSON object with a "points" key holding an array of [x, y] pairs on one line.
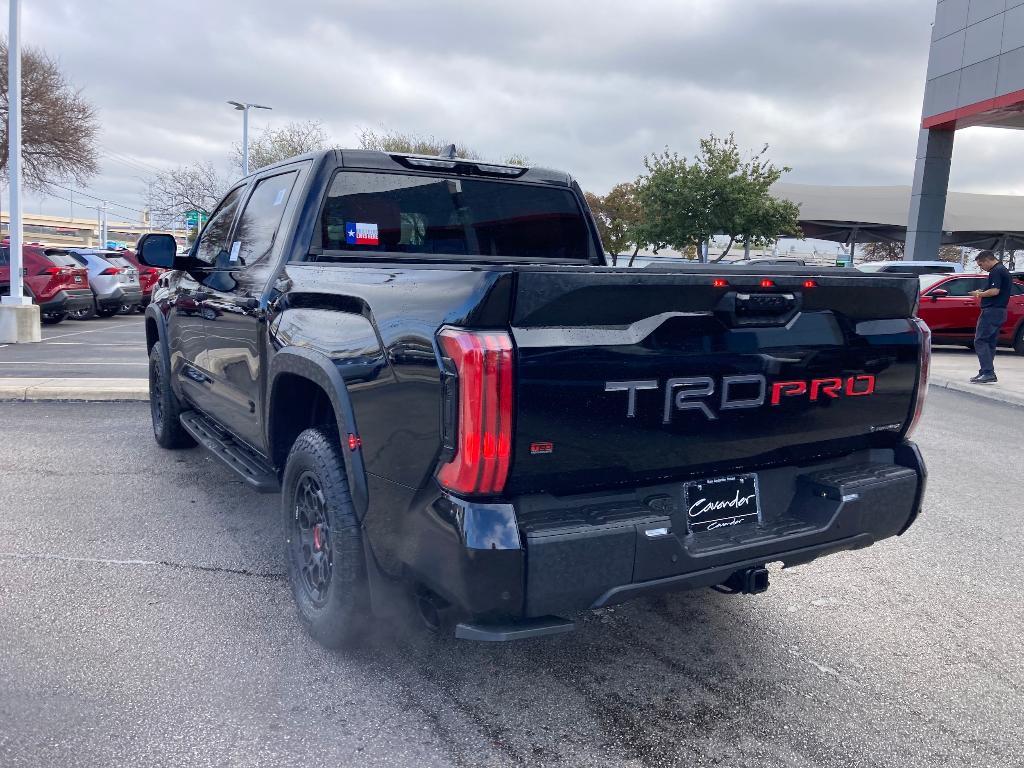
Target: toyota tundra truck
{"points": [[460, 401]]}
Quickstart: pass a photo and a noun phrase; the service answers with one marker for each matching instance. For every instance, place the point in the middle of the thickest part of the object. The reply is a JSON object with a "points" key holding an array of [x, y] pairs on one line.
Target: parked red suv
{"points": [[948, 308], [148, 276], [54, 280]]}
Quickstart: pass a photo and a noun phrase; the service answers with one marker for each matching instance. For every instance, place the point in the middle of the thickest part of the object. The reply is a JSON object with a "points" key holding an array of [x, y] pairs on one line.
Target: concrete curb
{"points": [[981, 391], [81, 389]]}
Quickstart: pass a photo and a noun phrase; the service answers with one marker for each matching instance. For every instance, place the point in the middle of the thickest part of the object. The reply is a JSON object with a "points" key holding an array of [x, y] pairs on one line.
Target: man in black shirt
{"points": [[994, 300]]}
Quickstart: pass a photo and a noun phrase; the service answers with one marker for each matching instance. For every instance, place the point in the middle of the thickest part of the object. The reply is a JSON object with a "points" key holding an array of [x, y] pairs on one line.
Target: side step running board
{"points": [[250, 466], [518, 630]]}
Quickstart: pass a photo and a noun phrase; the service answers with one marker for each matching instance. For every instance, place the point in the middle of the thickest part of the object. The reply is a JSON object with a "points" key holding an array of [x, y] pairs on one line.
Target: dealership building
{"points": [[975, 77]]}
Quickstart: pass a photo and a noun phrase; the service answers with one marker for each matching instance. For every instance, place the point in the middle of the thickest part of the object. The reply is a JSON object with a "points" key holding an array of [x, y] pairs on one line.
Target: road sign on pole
{"points": [[194, 217]]}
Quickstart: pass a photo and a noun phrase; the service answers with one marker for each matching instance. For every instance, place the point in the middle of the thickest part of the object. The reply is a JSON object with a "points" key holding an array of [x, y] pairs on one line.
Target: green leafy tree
{"points": [[686, 202], [617, 215]]}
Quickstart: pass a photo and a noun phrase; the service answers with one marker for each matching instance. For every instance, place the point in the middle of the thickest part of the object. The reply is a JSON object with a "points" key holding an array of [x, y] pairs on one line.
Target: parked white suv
{"points": [[913, 267], [114, 280]]}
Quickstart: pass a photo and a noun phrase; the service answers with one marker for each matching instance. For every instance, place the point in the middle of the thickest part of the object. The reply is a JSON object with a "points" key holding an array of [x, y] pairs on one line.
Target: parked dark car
{"points": [[54, 281], [461, 404], [952, 313]]}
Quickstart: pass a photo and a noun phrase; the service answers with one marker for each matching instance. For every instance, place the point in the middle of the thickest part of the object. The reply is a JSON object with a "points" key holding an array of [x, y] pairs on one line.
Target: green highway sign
{"points": [[192, 217]]}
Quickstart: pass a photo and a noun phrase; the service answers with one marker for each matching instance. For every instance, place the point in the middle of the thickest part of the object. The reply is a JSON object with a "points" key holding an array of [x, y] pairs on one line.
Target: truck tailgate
{"points": [[625, 376]]}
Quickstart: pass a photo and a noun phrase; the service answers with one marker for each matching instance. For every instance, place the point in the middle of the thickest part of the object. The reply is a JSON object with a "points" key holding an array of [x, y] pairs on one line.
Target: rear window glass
{"points": [[444, 216], [120, 261], [61, 259], [920, 269]]}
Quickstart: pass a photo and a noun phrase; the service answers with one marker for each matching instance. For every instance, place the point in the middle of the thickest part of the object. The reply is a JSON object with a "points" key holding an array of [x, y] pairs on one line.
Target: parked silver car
{"points": [[114, 280]]}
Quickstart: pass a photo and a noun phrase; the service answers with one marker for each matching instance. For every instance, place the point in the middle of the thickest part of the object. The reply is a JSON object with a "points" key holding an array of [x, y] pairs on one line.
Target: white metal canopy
{"points": [[866, 214]]}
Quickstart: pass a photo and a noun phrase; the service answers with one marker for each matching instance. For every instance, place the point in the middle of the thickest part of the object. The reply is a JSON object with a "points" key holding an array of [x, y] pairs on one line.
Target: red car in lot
{"points": [[948, 308], [54, 280], [148, 276]]}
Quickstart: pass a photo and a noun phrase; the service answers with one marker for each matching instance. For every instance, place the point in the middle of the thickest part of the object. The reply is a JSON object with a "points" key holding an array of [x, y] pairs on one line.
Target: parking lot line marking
{"points": [[87, 344], [95, 362], [114, 561], [91, 330]]}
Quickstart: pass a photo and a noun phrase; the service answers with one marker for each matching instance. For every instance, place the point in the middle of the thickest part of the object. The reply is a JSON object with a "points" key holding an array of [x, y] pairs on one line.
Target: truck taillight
{"points": [[50, 271], [476, 410], [924, 364], [111, 271]]}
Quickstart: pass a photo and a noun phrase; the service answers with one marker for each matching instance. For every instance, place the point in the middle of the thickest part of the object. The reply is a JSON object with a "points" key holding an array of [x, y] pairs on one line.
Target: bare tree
{"points": [[387, 140], [194, 187], [276, 144], [59, 128]]}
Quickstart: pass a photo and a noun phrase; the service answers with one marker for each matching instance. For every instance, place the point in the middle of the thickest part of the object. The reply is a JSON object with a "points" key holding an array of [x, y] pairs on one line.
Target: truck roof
{"points": [[398, 161]]}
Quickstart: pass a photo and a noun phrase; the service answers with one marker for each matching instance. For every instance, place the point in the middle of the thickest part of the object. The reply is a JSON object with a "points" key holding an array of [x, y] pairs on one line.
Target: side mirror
{"points": [[938, 293], [157, 250]]}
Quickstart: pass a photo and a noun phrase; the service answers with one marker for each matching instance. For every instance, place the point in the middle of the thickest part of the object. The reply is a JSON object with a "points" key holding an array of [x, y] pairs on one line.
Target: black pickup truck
{"points": [[460, 401]]}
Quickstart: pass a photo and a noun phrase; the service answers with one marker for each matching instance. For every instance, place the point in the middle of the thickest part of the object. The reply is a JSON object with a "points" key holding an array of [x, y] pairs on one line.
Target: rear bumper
{"points": [[555, 556], [70, 300], [119, 296]]}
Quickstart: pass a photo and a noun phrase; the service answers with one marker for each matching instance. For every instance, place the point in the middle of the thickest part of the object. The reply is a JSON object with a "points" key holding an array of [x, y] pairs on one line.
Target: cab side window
{"points": [[259, 222], [215, 235], [962, 286]]}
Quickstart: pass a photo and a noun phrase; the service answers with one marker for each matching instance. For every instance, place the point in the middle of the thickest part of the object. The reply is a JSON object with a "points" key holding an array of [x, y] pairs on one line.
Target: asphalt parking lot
{"points": [[144, 620], [110, 347]]}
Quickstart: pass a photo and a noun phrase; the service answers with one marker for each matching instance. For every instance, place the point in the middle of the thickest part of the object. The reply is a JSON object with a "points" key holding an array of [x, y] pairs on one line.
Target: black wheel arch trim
{"points": [[153, 313], [321, 370]]}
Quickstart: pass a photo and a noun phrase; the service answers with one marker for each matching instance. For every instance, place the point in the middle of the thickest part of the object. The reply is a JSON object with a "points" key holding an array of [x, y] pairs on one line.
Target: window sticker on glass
{"points": [[360, 233], [280, 195], [235, 248]]}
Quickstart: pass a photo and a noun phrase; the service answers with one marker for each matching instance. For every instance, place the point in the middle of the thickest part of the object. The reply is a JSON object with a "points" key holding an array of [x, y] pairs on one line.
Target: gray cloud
{"points": [[835, 87]]}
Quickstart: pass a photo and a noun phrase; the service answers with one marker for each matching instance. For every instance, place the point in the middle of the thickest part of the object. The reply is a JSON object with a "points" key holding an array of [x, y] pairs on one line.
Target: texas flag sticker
{"points": [[360, 233]]}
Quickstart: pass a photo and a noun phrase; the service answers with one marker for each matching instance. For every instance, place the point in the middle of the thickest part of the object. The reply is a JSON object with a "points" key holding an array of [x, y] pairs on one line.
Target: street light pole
{"points": [[17, 296], [245, 141], [19, 317], [245, 130]]}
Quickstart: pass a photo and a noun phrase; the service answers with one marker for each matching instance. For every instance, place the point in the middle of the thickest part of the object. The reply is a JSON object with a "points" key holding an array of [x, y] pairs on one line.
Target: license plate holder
{"points": [[721, 503]]}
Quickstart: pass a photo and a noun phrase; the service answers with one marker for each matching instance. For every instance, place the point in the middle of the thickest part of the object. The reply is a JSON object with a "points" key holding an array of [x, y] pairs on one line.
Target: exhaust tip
{"points": [[751, 581]]}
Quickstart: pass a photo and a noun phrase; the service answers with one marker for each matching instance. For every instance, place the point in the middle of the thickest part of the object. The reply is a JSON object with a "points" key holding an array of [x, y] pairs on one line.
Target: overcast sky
{"points": [[590, 86]]}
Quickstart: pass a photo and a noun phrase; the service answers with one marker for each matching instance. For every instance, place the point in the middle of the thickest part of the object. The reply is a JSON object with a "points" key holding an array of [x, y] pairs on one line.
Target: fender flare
{"points": [[154, 313], [321, 370]]}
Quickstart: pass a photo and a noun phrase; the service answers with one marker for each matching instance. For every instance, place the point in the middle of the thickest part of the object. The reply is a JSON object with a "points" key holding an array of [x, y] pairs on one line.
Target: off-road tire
{"points": [[1018, 340], [335, 612], [164, 406]]}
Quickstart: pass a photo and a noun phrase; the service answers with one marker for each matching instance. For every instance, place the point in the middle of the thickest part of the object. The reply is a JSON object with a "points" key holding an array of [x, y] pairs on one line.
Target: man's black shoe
{"points": [[984, 378]]}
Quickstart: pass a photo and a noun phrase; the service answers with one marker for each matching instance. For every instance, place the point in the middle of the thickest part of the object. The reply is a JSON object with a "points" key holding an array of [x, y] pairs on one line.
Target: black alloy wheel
{"points": [[311, 539], [323, 540], [164, 407]]}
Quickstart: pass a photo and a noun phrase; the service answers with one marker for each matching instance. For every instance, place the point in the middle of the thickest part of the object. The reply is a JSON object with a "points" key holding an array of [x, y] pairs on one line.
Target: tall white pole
{"points": [[245, 141], [14, 154]]}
